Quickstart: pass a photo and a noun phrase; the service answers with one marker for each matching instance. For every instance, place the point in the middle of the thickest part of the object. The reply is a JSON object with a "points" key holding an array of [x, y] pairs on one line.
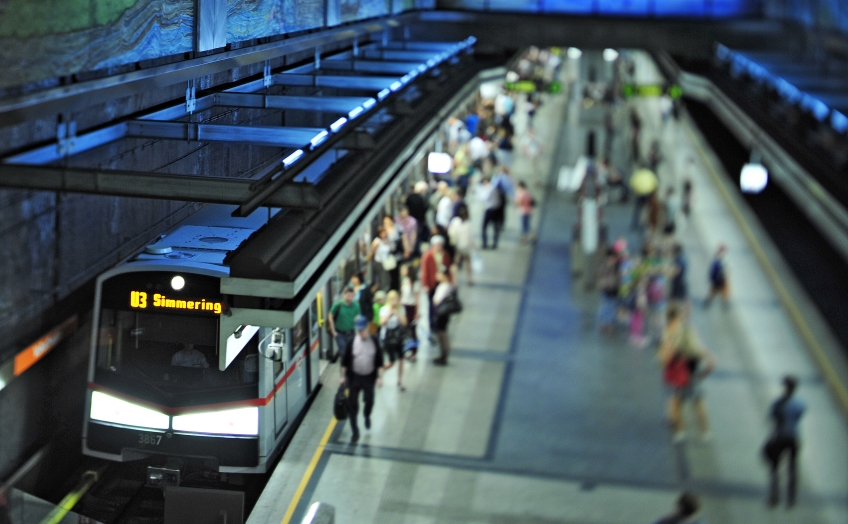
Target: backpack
{"points": [[394, 336], [340, 405]]}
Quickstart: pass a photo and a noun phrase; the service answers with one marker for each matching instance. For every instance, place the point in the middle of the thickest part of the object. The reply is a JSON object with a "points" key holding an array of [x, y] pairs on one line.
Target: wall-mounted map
{"points": [[42, 39]]}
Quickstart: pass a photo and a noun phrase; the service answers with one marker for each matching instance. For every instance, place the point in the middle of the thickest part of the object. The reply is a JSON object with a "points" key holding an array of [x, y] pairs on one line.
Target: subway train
{"points": [[155, 386], [170, 376]]}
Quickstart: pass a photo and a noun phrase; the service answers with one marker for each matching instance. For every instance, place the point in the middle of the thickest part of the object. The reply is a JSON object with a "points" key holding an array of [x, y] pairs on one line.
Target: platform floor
{"points": [[540, 419]]}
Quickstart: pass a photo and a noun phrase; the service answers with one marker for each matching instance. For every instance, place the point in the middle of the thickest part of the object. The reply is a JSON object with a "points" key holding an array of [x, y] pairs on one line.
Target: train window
{"points": [[300, 335], [169, 356]]}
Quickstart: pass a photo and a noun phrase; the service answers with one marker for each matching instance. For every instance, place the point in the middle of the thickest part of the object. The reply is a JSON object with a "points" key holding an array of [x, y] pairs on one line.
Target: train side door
{"points": [[280, 401], [316, 343], [296, 382]]}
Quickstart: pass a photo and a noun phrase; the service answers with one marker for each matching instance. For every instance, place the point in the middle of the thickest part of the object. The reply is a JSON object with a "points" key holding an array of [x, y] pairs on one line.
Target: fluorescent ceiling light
{"points": [[574, 53], [368, 104], [239, 421], [107, 408], [397, 84], [383, 94], [355, 112]]}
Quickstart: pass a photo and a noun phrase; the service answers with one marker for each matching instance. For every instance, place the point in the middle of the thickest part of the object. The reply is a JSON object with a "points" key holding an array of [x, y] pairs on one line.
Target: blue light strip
{"points": [[319, 139], [383, 94], [292, 158], [355, 112], [395, 86], [740, 63], [368, 104], [337, 125]]}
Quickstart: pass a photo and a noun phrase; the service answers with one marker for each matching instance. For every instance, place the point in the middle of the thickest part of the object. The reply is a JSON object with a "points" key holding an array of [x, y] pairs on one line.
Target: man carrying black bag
{"points": [[362, 367]]}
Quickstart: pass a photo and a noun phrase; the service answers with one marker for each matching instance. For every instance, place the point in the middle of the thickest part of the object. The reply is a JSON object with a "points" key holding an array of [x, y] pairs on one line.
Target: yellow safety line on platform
{"points": [[818, 353], [307, 475]]}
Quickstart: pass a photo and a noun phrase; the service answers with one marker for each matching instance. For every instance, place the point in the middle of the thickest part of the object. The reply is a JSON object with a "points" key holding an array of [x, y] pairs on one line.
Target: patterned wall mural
{"points": [[42, 39]]}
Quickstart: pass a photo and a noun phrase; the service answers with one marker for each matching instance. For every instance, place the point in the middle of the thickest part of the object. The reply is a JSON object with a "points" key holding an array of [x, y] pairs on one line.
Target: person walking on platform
{"points": [[786, 412], [685, 362], [718, 278], [436, 259], [608, 282], [393, 324], [341, 319], [492, 202], [679, 289], [410, 298], [444, 291], [685, 511], [362, 369], [418, 205], [462, 238], [524, 202]]}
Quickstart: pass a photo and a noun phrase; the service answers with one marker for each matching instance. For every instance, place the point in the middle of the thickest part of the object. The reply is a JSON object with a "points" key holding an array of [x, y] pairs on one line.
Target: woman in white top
{"points": [[443, 289], [393, 332], [462, 238], [393, 234], [381, 253], [409, 296]]}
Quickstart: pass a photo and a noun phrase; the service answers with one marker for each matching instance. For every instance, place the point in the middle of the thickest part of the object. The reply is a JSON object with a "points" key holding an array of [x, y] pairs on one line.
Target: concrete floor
{"points": [[540, 419]]}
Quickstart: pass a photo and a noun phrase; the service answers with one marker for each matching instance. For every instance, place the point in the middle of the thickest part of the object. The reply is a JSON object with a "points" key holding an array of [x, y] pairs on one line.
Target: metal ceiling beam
{"points": [[50, 102], [332, 104], [395, 54], [360, 83], [370, 66], [153, 185], [257, 135]]}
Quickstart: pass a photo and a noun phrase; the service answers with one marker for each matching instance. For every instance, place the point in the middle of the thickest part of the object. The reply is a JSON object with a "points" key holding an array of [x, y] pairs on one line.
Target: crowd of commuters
{"points": [[416, 256], [645, 295]]}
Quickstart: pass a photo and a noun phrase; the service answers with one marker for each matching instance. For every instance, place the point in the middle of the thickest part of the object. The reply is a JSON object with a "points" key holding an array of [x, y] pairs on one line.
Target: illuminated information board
{"points": [[142, 300]]}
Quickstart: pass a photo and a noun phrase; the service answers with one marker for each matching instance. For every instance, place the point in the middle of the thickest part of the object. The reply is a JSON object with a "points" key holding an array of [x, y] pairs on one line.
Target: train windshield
{"points": [[171, 358]]}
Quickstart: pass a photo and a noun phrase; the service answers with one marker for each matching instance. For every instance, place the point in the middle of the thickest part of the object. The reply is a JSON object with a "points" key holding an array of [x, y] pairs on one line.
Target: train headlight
{"points": [[240, 421], [110, 409], [178, 282]]}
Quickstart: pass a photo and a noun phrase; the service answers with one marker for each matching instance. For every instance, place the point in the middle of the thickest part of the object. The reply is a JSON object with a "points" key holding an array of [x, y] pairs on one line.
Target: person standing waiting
{"points": [[362, 369], [718, 278], [786, 412], [524, 202], [436, 259], [341, 319], [393, 323]]}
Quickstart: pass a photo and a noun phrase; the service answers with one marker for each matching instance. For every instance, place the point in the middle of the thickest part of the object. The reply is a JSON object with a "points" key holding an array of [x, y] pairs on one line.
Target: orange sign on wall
{"points": [[38, 349]]}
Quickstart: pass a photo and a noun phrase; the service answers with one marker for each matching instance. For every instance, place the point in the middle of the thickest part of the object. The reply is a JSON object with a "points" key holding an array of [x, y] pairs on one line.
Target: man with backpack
{"points": [[685, 362], [718, 278]]}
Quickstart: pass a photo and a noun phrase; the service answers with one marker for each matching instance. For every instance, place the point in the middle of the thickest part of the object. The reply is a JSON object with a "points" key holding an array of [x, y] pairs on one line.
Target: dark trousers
{"points": [[494, 217], [635, 221], [775, 451], [343, 338], [357, 383]]}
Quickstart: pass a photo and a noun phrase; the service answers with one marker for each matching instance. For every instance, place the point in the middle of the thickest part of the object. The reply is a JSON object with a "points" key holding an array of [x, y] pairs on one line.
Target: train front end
{"points": [[155, 387]]}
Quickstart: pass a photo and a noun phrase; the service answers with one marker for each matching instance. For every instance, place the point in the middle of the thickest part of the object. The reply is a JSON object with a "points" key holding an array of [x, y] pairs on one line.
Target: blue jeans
{"points": [[525, 224], [342, 341]]}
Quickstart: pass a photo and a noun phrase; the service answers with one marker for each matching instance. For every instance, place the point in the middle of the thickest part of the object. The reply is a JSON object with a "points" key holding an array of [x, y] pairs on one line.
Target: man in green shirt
{"points": [[341, 319]]}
